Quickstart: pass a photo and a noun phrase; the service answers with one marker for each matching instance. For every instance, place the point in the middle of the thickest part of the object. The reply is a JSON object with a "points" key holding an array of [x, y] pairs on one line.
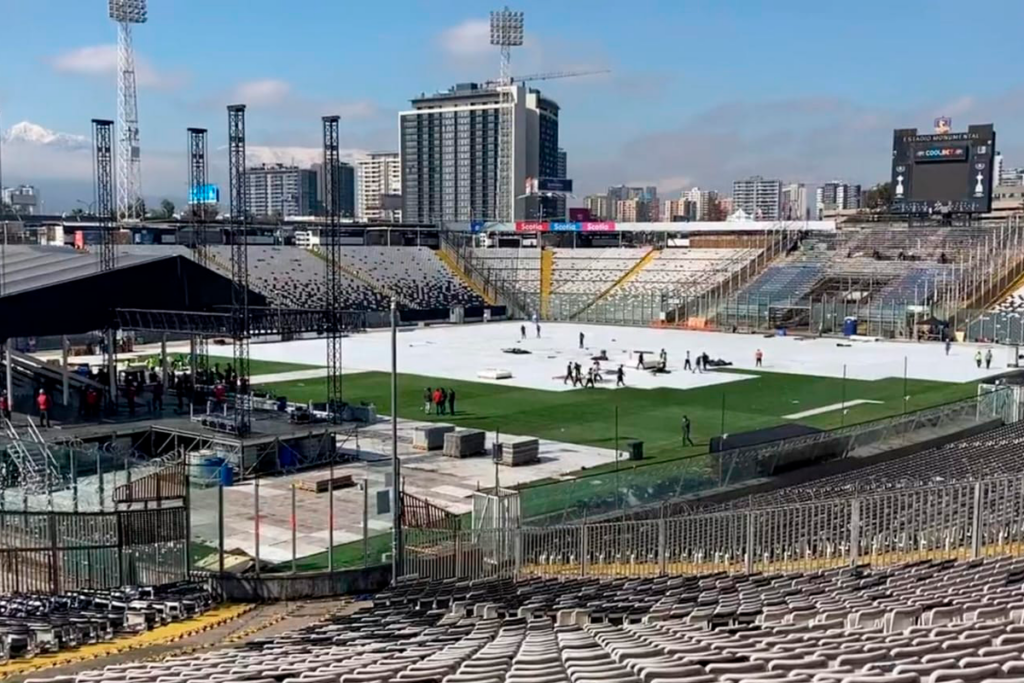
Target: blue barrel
{"points": [[227, 474], [849, 326], [211, 468]]}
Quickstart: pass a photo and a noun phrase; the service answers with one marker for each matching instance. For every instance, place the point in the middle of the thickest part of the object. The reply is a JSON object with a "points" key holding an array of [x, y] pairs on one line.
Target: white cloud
{"points": [[266, 92], [471, 38], [277, 94], [101, 60]]}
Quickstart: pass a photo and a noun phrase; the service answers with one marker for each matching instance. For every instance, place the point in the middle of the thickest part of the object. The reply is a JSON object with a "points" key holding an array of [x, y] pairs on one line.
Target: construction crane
{"points": [[550, 76]]}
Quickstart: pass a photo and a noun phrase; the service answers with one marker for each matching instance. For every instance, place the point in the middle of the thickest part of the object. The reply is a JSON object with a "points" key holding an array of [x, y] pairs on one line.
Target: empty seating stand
{"points": [[292, 277], [908, 624], [990, 454], [43, 624]]}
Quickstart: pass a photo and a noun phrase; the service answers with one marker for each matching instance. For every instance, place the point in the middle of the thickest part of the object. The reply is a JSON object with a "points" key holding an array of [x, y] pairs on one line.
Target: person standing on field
{"points": [[451, 401], [428, 398], [758, 356], [581, 340], [686, 432], [687, 365]]}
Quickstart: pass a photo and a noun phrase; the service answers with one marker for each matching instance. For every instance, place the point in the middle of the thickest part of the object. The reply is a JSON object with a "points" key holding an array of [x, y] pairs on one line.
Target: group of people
{"points": [[699, 365], [522, 330], [662, 361], [574, 374], [977, 358], [441, 400]]}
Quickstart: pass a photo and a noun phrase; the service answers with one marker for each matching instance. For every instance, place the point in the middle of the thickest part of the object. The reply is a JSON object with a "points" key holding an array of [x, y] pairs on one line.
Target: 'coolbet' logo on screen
{"points": [[941, 154]]}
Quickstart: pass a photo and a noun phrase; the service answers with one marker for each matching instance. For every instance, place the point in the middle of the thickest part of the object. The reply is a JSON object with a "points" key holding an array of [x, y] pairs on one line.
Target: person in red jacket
{"points": [[5, 406], [220, 393], [43, 402]]}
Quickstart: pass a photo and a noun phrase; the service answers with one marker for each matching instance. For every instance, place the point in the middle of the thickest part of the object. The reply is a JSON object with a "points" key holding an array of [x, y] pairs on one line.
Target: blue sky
{"points": [[699, 92]]}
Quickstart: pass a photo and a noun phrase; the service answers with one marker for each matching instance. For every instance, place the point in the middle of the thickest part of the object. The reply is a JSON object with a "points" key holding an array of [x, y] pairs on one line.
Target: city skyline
{"points": [[638, 125]]}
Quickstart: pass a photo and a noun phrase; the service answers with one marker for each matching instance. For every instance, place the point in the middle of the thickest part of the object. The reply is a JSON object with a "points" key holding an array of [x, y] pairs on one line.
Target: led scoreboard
{"points": [[944, 172]]}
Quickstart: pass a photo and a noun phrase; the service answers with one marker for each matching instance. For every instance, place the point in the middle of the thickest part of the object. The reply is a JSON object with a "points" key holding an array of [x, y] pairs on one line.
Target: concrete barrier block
{"points": [[430, 437]]}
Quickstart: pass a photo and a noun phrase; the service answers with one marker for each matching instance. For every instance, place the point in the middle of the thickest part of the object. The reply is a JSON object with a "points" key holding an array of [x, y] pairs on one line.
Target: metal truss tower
{"points": [[129, 169], [506, 33], [197, 172], [332, 263], [239, 266], [103, 186]]}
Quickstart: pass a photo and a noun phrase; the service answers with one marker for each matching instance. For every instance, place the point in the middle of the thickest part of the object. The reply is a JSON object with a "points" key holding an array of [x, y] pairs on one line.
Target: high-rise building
{"points": [[759, 198], [725, 205], [380, 187], [679, 210], [562, 171], [794, 202], [282, 191], [623, 192], [646, 203], [836, 196], [449, 153], [1007, 177], [704, 203], [597, 205], [637, 210], [346, 189], [23, 199]]}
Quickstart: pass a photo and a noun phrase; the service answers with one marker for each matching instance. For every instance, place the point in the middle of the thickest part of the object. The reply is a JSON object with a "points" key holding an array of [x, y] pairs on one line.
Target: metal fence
{"points": [[644, 489], [56, 552], [953, 521]]}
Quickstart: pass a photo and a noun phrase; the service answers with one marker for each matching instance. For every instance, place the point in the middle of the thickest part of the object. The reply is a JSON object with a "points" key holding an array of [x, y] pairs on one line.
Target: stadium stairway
{"points": [[626, 277], [1016, 285], [547, 271], [459, 273]]}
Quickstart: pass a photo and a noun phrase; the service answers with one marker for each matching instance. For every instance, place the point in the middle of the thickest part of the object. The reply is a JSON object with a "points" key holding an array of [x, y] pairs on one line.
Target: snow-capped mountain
{"points": [[303, 157], [30, 133]]}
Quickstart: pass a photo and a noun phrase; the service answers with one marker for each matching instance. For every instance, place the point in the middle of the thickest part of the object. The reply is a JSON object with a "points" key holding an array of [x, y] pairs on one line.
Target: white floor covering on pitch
{"points": [[461, 351]]}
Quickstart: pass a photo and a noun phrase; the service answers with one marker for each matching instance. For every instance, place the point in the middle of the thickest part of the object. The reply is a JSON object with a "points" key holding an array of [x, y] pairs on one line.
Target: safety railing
{"points": [[953, 521]]}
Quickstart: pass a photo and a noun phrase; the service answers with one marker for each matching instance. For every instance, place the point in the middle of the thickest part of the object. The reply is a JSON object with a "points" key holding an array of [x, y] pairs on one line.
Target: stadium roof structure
{"points": [[58, 290]]}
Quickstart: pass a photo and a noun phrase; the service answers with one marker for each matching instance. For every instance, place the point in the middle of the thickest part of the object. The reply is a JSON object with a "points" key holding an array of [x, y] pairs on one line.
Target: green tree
{"points": [[878, 197], [203, 212], [167, 208], [78, 212]]}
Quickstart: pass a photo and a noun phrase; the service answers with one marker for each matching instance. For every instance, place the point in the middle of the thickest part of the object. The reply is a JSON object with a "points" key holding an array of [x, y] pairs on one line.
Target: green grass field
{"points": [[653, 416]]}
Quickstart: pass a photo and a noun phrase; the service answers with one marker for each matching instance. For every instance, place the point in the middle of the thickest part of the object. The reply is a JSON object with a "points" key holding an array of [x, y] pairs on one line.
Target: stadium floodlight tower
{"points": [[506, 33], [129, 169]]}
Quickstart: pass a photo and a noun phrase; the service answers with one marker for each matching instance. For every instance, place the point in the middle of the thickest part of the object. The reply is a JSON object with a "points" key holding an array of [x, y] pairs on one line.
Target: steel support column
{"points": [[103, 185], [239, 267], [331, 245]]}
